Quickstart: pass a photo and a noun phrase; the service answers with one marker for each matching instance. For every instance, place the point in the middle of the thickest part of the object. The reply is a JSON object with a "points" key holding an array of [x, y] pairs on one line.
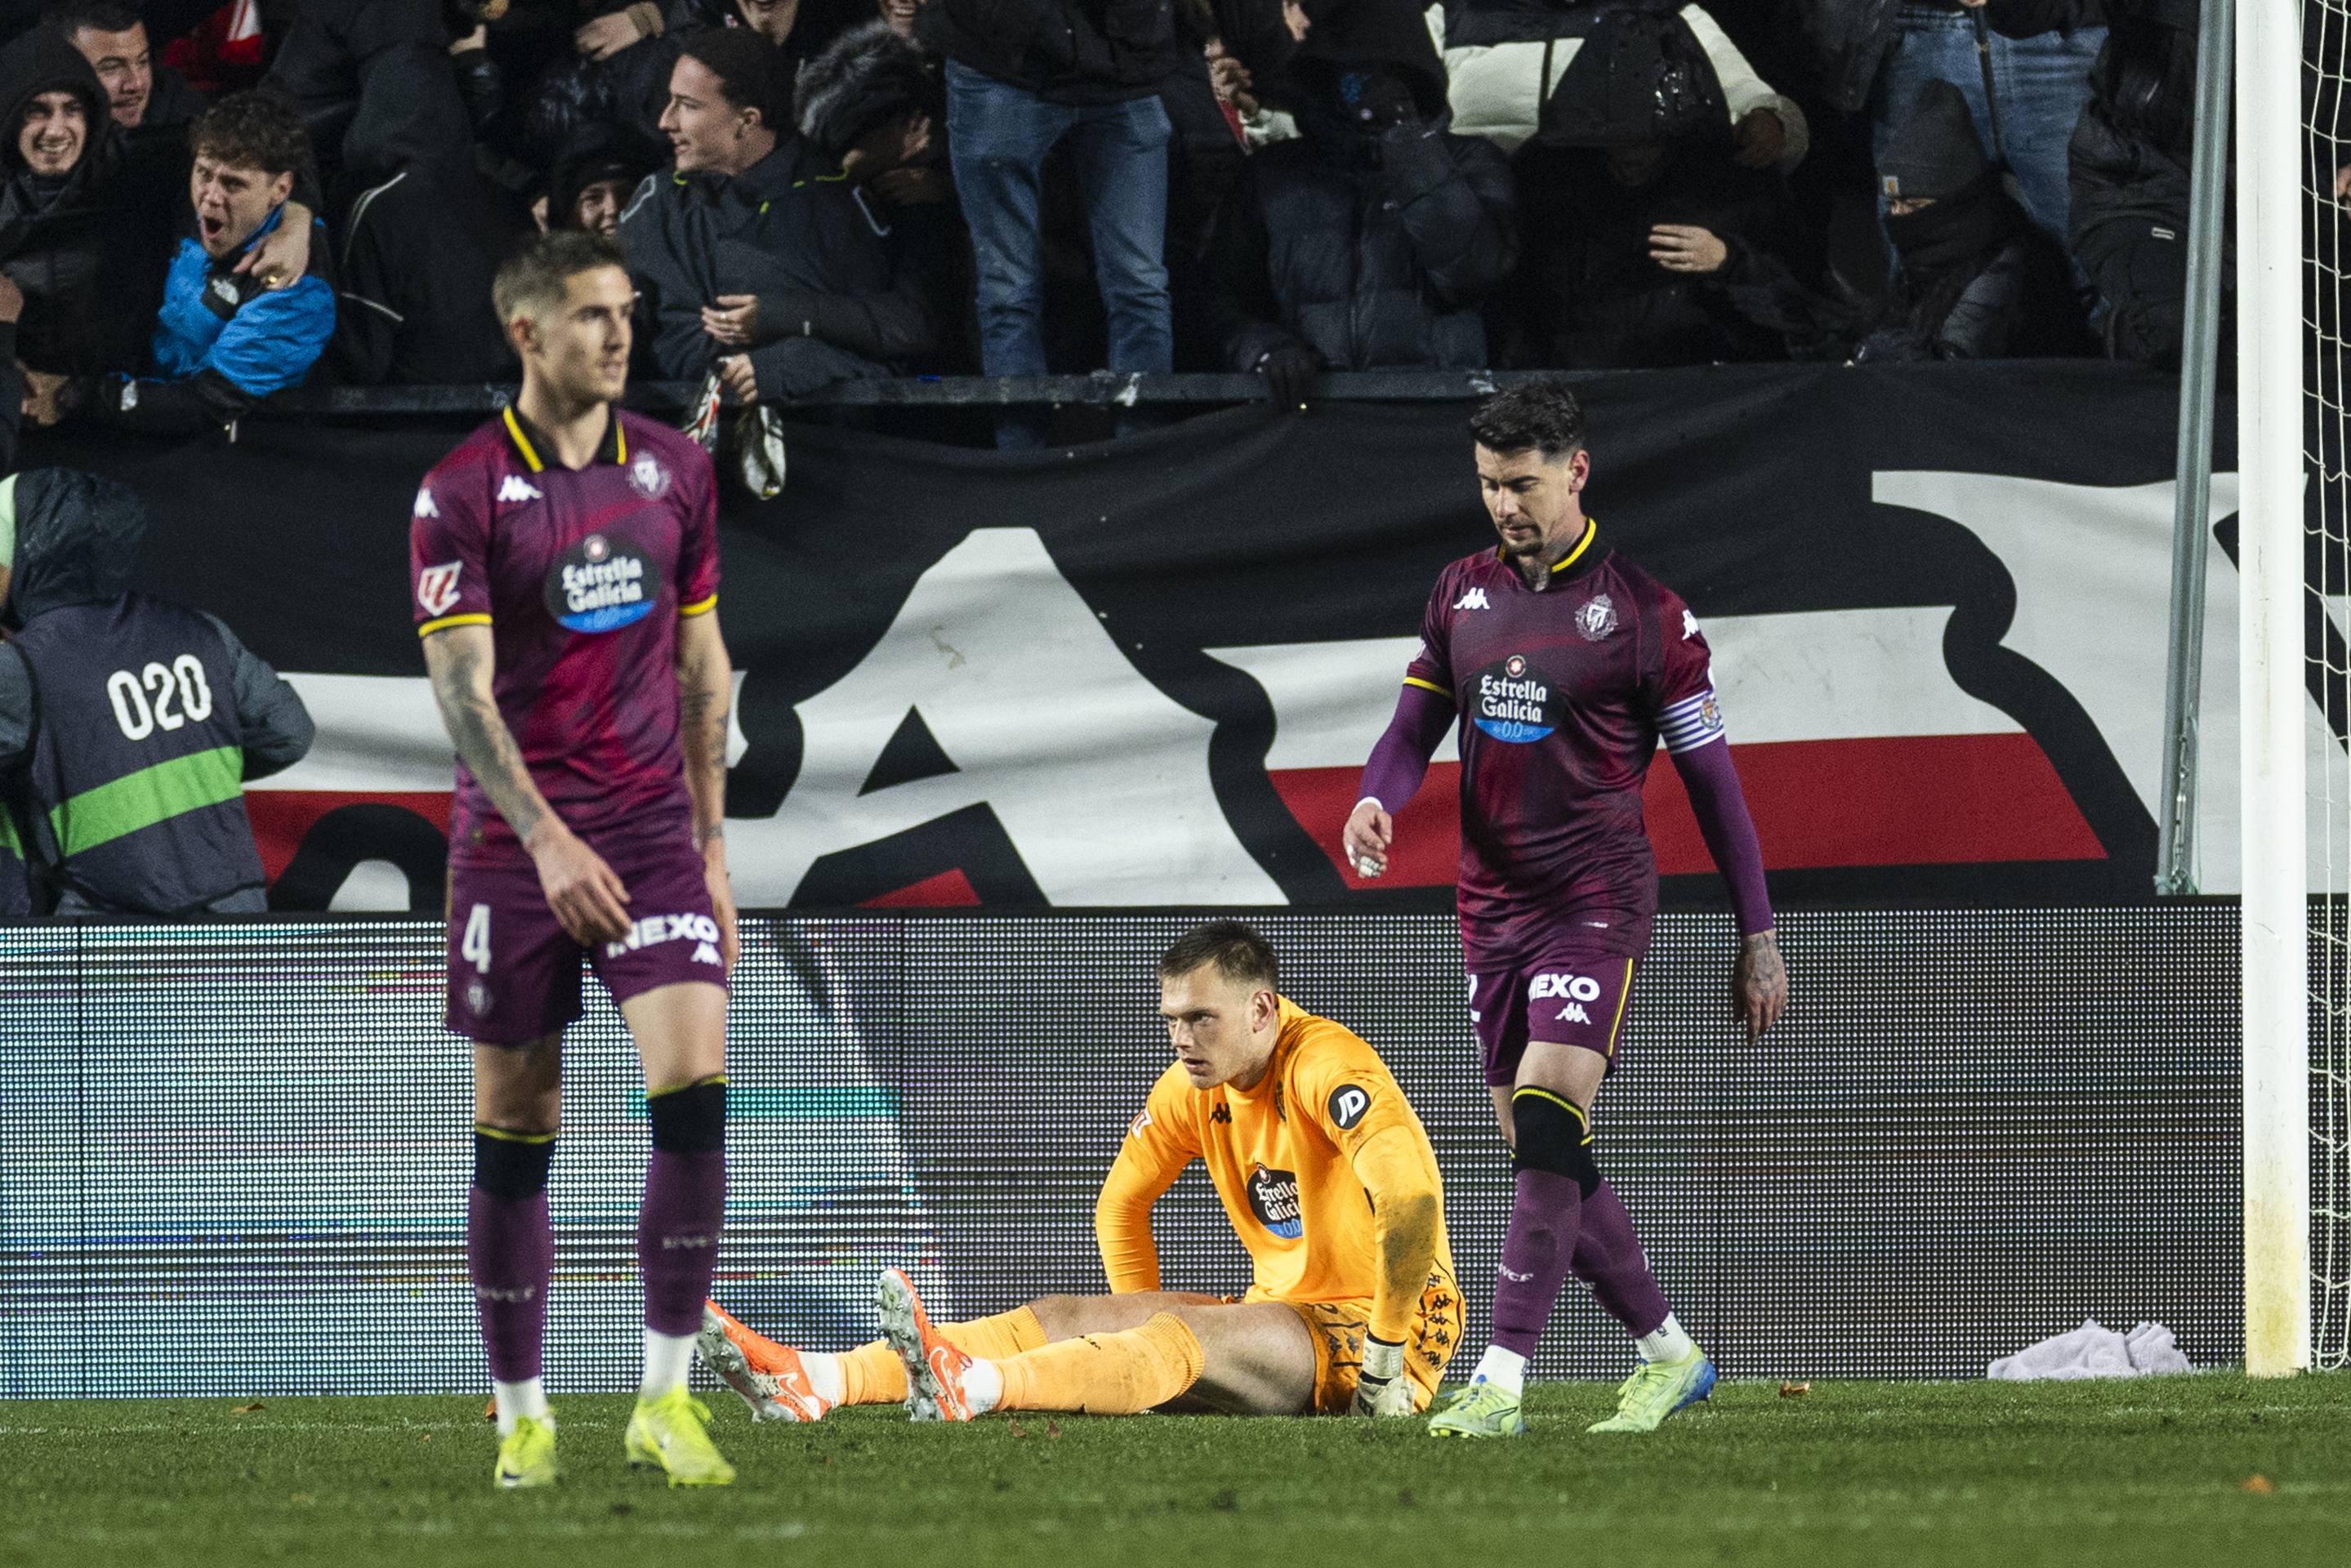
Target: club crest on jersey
{"points": [[648, 478], [1274, 1198], [436, 586], [601, 584], [1511, 701], [1597, 618]]}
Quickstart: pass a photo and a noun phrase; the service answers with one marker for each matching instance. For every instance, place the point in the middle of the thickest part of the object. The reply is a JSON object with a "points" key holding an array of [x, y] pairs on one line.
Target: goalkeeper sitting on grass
{"points": [[1328, 1179]]}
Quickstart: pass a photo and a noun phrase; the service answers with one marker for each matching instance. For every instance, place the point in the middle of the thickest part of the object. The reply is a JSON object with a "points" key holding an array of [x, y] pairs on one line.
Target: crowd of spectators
{"points": [[814, 191]]}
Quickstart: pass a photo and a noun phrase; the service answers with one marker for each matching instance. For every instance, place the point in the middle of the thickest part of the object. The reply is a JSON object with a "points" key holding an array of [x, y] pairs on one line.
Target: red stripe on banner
{"points": [[1428, 833], [950, 890], [1909, 800], [282, 817], [1898, 800]]}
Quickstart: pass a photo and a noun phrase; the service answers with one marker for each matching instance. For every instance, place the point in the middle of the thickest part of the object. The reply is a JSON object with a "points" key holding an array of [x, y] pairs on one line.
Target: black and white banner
{"points": [[1147, 672]]}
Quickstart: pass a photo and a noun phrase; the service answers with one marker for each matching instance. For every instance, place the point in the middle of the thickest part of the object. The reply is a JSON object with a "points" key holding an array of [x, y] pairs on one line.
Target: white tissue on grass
{"points": [[2094, 1350]]}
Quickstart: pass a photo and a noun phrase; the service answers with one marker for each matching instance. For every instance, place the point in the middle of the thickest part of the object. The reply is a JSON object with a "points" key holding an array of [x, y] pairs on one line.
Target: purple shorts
{"points": [[514, 975], [1570, 997]]}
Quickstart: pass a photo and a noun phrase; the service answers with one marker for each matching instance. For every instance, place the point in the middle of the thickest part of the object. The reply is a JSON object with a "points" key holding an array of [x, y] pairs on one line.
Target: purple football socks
{"points": [[510, 1253], [677, 1236], [1536, 1253]]}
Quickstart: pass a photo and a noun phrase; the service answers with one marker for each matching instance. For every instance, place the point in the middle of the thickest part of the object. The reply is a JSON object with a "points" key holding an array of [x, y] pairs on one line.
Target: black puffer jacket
{"points": [[1374, 252], [1588, 293], [1977, 280], [1064, 51], [53, 228], [2127, 163], [834, 267], [373, 82]]}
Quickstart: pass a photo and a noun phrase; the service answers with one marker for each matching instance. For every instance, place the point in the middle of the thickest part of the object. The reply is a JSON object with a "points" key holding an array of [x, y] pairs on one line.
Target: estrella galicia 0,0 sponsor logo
{"points": [[1274, 1198], [1512, 702], [601, 583]]}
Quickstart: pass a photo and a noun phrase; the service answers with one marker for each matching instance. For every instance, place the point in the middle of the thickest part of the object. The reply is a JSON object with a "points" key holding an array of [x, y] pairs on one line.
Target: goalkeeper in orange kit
{"points": [[1329, 1181]]}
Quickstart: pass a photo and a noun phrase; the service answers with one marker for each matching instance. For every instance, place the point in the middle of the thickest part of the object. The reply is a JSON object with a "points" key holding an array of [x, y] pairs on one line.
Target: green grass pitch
{"points": [[2145, 1473]]}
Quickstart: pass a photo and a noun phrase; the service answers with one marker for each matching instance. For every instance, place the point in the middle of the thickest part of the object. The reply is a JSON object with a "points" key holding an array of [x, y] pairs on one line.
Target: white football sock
{"points": [[832, 1385], [667, 1358], [1505, 1369], [1668, 1342], [983, 1386], [517, 1400]]}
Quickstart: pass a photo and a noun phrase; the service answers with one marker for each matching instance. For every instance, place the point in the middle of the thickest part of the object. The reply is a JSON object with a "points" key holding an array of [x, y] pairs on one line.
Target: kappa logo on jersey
{"points": [[654, 928], [648, 478], [1221, 1115], [1348, 1104], [1474, 600], [1574, 990], [424, 507], [436, 586], [1689, 624], [601, 585], [1274, 1198], [1511, 701], [517, 488], [1597, 618]]}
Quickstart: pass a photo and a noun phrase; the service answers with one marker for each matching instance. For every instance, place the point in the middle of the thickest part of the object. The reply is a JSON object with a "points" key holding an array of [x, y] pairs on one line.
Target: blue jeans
{"points": [[2041, 83], [997, 136]]}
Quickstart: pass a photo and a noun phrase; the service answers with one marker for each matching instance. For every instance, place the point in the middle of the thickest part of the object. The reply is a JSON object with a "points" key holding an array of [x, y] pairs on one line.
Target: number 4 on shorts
{"points": [[475, 947]]}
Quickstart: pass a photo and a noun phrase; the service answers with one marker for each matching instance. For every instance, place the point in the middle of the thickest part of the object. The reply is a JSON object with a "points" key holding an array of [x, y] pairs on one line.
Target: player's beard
{"points": [[1534, 545]]}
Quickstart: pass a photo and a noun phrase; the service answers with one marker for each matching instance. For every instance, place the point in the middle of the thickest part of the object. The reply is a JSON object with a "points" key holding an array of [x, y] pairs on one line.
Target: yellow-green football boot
{"points": [[1658, 1389], [671, 1433], [1483, 1410], [526, 1456]]}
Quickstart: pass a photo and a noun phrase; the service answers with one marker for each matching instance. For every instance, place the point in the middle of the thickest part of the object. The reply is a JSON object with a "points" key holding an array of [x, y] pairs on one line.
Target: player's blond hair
{"points": [[533, 280]]}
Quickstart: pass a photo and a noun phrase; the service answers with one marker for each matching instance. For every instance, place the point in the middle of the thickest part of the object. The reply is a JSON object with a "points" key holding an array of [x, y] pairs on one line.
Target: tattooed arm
{"points": [[705, 691], [587, 897]]}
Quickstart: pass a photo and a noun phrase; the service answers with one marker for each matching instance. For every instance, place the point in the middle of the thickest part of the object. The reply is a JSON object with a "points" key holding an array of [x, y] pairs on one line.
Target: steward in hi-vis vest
{"points": [[128, 725]]}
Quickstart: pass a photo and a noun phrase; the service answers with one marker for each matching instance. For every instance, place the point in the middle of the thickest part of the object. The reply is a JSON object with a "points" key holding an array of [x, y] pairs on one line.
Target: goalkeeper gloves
{"points": [[1380, 1387]]}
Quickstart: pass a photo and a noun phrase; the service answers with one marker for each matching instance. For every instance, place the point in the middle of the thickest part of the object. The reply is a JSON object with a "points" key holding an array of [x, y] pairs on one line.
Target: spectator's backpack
{"points": [[1608, 73]]}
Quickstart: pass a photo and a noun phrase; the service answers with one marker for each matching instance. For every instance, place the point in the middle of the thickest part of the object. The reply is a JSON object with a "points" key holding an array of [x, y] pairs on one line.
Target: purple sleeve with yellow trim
{"points": [[448, 549], [697, 551]]}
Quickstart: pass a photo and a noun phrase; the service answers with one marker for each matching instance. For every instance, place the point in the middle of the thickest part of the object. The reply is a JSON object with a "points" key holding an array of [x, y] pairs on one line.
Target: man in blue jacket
{"points": [[225, 339]]}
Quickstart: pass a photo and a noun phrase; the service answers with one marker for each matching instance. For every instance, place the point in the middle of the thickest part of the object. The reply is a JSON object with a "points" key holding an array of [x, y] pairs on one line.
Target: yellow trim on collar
{"points": [[1591, 531], [522, 441]]}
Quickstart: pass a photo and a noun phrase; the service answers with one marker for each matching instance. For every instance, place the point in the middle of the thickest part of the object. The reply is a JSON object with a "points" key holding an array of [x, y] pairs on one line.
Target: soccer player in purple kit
{"points": [[564, 563], [1566, 664]]}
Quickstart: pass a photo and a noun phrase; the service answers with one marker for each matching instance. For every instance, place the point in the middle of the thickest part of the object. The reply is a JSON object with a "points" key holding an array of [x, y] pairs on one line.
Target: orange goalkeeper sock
{"points": [[997, 1338], [1106, 1374], [873, 1373]]}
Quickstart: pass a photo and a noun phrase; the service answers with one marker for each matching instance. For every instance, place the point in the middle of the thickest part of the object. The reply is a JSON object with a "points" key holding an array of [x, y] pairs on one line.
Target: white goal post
{"points": [[2278, 171]]}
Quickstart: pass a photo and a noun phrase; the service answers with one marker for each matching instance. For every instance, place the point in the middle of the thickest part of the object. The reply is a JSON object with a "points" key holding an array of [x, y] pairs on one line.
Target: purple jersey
{"points": [[1563, 696], [581, 577]]}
